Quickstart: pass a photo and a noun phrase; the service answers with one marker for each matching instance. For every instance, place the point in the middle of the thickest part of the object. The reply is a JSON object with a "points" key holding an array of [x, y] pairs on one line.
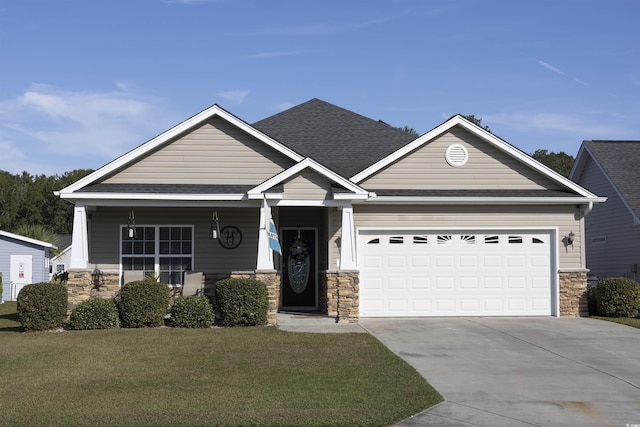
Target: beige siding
{"points": [[214, 153], [497, 217], [209, 255], [613, 221], [487, 168], [308, 185]]}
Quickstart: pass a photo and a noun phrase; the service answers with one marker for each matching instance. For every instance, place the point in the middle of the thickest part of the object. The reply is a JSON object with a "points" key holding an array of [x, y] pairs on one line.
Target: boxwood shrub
{"points": [[42, 306], [96, 313], [192, 312], [616, 297], [242, 302], [143, 303]]}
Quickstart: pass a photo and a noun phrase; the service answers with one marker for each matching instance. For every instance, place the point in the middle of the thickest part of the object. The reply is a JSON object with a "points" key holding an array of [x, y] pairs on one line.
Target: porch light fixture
{"points": [[131, 226], [214, 231], [570, 238], [96, 278]]}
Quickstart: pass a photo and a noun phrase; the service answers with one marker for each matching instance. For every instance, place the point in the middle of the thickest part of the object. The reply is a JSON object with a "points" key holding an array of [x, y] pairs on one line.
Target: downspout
{"points": [[587, 210]]}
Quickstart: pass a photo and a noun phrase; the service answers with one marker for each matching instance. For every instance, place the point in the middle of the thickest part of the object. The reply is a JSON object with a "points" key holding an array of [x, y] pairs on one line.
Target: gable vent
{"points": [[456, 155]]}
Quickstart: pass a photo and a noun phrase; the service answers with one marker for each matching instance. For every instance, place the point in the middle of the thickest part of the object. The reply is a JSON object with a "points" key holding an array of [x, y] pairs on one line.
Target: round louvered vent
{"points": [[457, 155]]}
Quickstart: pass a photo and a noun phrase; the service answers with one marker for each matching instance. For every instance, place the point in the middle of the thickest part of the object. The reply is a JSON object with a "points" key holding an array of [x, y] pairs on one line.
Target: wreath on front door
{"points": [[299, 249]]}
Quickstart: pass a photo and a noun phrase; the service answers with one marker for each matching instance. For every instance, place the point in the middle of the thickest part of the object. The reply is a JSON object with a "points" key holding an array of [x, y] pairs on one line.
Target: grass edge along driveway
{"points": [[201, 377]]}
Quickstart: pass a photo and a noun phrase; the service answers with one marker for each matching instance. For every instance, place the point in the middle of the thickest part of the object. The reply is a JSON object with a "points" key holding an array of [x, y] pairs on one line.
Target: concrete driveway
{"points": [[521, 371]]}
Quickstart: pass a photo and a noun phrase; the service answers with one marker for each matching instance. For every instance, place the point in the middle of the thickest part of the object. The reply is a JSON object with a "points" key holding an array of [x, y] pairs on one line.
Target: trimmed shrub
{"points": [[192, 312], [617, 297], [96, 313], [143, 304], [42, 306], [242, 302]]}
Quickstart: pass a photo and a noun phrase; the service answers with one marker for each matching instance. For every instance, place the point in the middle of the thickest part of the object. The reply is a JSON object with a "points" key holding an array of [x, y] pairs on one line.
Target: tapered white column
{"points": [[265, 254], [348, 240], [79, 239]]}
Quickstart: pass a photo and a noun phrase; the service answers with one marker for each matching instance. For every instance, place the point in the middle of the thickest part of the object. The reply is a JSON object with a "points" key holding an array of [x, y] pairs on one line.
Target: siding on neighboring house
{"points": [[483, 217], [8, 247], [214, 153], [487, 168], [611, 221], [307, 185]]}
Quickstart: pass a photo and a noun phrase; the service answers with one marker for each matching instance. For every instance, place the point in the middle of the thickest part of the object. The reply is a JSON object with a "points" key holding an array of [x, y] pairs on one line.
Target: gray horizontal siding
{"points": [[487, 168], [214, 153], [612, 220], [10, 247]]}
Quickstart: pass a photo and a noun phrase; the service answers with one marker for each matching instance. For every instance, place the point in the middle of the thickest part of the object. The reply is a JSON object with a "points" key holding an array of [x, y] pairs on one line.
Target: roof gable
{"points": [[485, 167], [26, 239], [618, 162], [343, 141], [476, 131], [154, 144], [351, 190]]}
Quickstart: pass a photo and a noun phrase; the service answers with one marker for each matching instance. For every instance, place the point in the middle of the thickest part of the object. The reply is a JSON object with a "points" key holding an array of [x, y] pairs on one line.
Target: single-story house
{"points": [[612, 230], [372, 221], [23, 261]]}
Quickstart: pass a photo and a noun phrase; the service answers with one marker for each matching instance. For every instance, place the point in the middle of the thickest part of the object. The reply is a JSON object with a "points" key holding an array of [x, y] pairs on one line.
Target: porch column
{"points": [[348, 240], [79, 239], [265, 254]]}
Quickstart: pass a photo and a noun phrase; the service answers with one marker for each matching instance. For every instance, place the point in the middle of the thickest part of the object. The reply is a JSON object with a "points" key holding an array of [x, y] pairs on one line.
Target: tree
{"points": [[476, 121], [39, 232], [410, 131], [560, 162]]}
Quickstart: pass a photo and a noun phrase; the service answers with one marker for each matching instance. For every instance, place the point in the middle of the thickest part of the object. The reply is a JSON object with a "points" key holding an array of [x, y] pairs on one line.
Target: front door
{"points": [[299, 269], [20, 274]]}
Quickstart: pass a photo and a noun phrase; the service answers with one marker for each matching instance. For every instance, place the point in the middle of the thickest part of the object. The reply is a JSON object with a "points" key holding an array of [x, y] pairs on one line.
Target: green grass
{"points": [[629, 321], [202, 377]]}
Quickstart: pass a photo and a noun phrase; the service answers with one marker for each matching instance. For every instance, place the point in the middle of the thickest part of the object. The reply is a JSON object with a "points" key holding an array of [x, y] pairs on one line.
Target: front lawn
{"points": [[201, 377], [629, 321]]}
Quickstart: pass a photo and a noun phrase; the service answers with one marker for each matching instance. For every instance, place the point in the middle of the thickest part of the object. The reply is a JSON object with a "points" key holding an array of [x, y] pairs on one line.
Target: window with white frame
{"points": [[164, 250]]}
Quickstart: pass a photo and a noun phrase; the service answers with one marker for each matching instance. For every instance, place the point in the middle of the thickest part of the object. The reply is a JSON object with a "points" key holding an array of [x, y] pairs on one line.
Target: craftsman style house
{"points": [[372, 221]]}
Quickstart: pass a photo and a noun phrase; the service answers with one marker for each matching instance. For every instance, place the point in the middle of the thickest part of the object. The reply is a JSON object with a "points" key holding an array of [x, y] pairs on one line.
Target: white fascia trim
{"points": [[256, 192], [349, 196], [27, 239], [152, 144], [485, 200], [152, 196], [458, 120]]}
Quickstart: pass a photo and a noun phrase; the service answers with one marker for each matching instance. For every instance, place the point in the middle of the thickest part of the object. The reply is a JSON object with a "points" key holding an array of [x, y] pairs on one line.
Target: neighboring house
{"points": [[612, 230], [373, 222], [23, 261], [60, 263]]}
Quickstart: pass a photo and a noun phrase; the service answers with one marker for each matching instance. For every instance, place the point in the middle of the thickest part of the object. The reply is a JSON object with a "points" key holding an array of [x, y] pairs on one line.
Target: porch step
{"points": [[314, 322]]}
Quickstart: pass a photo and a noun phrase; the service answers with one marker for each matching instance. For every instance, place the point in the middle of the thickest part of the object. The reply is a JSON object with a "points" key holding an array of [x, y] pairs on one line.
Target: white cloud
{"points": [[68, 129], [551, 67], [235, 96]]}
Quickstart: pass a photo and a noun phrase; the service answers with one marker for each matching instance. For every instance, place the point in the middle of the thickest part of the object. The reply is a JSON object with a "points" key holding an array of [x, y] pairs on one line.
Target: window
{"points": [[515, 239], [491, 239], [420, 240], [375, 241], [159, 249], [468, 239], [444, 239], [396, 240], [59, 268]]}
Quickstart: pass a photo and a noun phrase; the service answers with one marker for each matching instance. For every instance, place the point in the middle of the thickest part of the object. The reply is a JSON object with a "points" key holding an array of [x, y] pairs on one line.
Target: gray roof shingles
{"points": [[339, 139], [620, 161]]}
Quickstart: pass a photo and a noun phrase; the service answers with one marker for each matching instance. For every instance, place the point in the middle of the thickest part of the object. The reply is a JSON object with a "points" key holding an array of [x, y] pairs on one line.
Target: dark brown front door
{"points": [[299, 269]]}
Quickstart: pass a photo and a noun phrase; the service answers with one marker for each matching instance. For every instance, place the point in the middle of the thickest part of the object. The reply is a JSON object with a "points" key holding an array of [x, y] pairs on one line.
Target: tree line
{"points": [[27, 200]]}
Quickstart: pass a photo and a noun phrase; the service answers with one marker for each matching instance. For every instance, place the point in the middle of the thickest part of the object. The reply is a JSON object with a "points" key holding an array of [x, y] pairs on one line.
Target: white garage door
{"points": [[453, 273]]}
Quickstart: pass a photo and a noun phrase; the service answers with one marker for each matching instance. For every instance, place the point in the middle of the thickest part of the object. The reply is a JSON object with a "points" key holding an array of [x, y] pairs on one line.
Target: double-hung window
{"points": [[163, 250]]}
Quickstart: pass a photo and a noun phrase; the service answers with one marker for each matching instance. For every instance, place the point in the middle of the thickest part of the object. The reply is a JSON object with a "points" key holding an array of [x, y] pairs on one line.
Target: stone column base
{"points": [[573, 293], [341, 295]]}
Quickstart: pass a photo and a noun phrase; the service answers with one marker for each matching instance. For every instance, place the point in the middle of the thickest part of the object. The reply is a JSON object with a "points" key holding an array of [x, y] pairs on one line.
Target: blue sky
{"points": [[84, 81]]}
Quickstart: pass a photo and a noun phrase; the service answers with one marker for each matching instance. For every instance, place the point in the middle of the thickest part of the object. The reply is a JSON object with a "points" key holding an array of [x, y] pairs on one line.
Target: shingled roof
{"points": [[339, 139], [620, 160]]}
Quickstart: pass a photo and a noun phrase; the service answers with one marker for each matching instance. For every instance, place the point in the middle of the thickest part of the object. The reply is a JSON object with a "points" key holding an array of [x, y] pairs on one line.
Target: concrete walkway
{"points": [[303, 322], [521, 371]]}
